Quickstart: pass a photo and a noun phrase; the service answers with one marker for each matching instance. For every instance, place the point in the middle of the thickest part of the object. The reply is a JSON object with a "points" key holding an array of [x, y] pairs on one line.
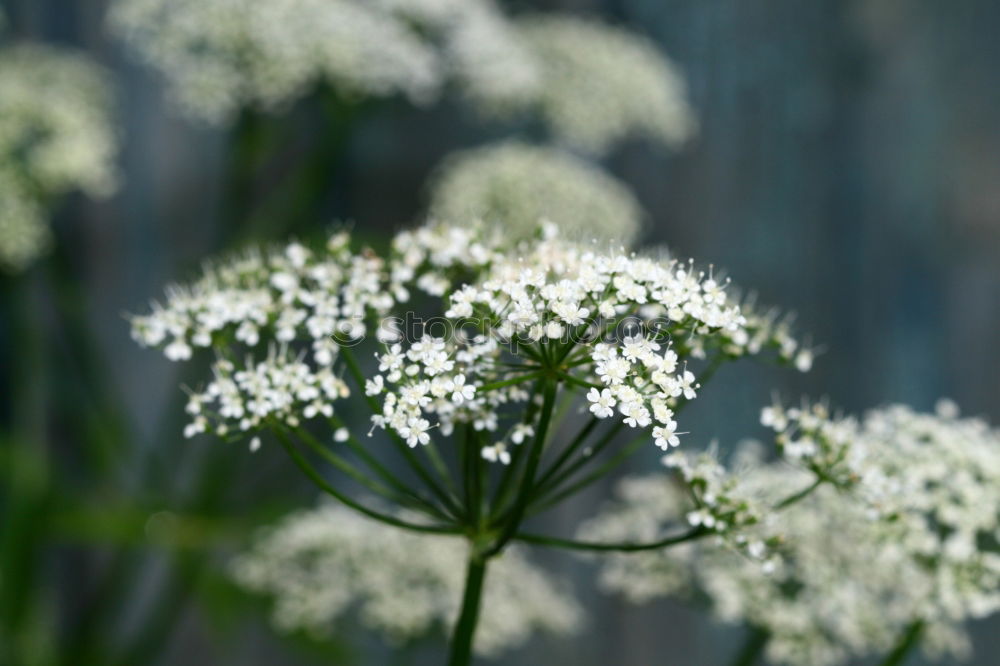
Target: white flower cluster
{"points": [[324, 563], [539, 296], [260, 299], [514, 186], [730, 505], [592, 84], [810, 438], [551, 299], [601, 85], [56, 136], [221, 55], [857, 567]]}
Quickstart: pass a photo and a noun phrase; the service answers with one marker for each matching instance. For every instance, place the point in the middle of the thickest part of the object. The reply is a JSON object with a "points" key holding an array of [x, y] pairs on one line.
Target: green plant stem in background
{"points": [[25, 492], [752, 648], [907, 644]]}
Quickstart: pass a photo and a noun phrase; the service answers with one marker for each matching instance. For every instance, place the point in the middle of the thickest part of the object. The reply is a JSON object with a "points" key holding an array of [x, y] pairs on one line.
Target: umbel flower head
{"points": [[56, 136], [320, 564], [903, 547], [617, 327], [512, 185], [473, 339]]}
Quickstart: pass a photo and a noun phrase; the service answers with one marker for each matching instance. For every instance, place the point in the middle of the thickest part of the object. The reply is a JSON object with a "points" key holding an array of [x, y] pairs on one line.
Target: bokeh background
{"points": [[847, 167]]}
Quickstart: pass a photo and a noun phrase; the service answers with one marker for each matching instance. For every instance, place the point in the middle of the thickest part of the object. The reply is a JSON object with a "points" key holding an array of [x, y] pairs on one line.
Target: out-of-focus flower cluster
{"points": [[56, 136], [514, 185], [601, 85], [591, 84], [322, 563], [912, 539], [504, 303]]}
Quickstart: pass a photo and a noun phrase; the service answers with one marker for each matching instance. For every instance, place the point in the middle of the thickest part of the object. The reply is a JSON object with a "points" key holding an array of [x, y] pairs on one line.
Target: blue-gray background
{"points": [[847, 168]]}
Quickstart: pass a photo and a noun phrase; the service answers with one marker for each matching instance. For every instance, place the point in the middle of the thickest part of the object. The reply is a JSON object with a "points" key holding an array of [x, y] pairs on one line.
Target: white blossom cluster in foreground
{"points": [[323, 563], [512, 185], [56, 136], [591, 84], [912, 539], [272, 318]]}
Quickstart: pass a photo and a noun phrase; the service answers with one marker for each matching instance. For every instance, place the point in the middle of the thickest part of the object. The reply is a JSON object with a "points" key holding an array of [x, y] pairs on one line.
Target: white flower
{"points": [[521, 432], [56, 136], [514, 187], [415, 431], [897, 532], [496, 453], [404, 584], [375, 385], [602, 403], [665, 436], [461, 392], [602, 84]]}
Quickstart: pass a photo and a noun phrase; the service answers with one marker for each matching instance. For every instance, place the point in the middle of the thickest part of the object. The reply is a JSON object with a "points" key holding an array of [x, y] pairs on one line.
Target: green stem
{"points": [[318, 479], [568, 452], [571, 544], [465, 627], [513, 522], [370, 460], [752, 648], [907, 643], [520, 379], [802, 494], [406, 499]]}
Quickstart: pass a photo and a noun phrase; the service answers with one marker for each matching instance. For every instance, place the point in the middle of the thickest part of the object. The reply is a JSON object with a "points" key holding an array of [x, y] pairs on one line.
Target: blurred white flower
{"points": [[221, 55], [593, 85], [601, 84], [327, 562], [515, 187], [902, 530], [56, 136]]}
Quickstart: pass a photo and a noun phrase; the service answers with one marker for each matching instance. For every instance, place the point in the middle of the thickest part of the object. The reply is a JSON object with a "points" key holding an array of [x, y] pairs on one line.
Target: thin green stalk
{"points": [[752, 648], [370, 484], [437, 462], [546, 497], [542, 540], [907, 644], [579, 382], [469, 470], [568, 452], [520, 379], [800, 495], [465, 626], [549, 389], [504, 487], [362, 452], [318, 479]]}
